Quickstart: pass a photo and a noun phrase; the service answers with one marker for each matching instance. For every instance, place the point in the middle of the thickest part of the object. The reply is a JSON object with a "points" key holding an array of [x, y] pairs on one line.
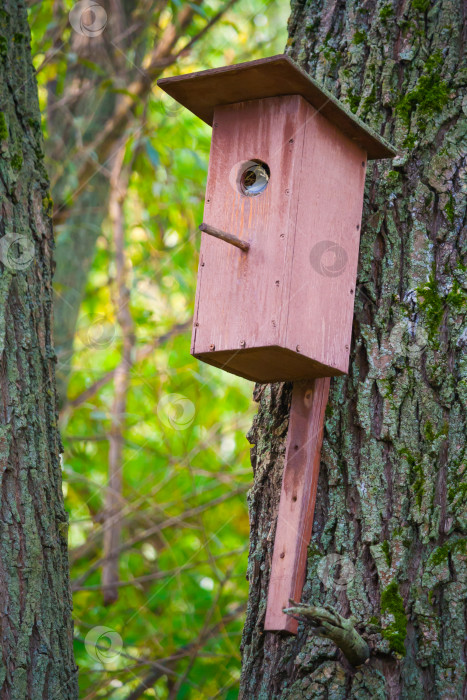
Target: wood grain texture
{"points": [[326, 245], [241, 299], [274, 76], [284, 311], [297, 501]]}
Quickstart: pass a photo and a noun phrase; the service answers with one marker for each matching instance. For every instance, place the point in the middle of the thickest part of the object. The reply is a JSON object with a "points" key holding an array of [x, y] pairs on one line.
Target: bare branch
{"points": [[103, 148], [328, 623], [141, 354], [157, 529], [197, 645], [156, 673], [170, 573]]}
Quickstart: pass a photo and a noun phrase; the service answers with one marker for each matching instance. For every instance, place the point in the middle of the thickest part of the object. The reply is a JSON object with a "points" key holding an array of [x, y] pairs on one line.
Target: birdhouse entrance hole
{"points": [[254, 177]]}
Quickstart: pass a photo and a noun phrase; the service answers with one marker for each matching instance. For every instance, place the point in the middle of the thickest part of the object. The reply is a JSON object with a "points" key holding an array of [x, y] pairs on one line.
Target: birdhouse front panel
{"points": [[285, 180], [242, 305]]}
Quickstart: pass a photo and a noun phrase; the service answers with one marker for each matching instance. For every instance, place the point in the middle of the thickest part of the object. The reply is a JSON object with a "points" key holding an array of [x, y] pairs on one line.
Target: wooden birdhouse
{"points": [[284, 196]]}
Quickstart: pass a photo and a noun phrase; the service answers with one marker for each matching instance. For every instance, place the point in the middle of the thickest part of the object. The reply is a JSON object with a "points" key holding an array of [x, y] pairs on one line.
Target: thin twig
{"points": [[170, 573], [157, 529], [156, 673], [141, 355], [197, 646]]}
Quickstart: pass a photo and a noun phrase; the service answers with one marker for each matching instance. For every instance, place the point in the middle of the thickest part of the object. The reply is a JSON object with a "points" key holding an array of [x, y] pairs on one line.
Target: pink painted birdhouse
{"points": [[284, 196]]}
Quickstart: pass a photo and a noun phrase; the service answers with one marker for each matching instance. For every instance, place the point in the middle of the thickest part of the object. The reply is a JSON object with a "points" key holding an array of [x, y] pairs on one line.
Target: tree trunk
{"points": [[389, 539], [83, 110], [36, 629], [77, 236]]}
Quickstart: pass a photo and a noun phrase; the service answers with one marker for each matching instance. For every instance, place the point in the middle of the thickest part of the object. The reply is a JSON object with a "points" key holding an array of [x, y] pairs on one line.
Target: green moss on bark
{"points": [[359, 37], [17, 161], [434, 305], [440, 554], [393, 605], [389, 492], [387, 552], [3, 128], [421, 5], [427, 98]]}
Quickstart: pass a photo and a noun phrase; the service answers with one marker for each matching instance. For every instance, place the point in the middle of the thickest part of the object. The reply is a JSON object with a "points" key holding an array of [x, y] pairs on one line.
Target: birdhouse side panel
{"points": [[241, 302], [324, 270]]}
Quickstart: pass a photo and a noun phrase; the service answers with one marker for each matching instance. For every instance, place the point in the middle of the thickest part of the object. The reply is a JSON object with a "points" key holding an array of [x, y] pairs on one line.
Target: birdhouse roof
{"points": [[201, 92]]}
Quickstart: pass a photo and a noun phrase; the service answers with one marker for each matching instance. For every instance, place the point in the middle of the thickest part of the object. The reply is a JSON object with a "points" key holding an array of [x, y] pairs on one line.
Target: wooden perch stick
{"points": [[223, 236]]}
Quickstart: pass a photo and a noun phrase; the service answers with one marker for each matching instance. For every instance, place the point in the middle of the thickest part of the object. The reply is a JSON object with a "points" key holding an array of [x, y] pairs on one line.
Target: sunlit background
{"points": [[135, 405]]}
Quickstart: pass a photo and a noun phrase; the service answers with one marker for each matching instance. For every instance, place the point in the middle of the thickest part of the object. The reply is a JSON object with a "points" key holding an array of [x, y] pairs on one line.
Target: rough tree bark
{"points": [[391, 505], [36, 630]]}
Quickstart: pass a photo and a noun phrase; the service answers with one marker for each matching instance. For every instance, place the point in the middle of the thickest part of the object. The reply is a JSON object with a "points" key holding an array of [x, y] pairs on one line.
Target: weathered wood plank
{"points": [[241, 302], [329, 189], [297, 501]]}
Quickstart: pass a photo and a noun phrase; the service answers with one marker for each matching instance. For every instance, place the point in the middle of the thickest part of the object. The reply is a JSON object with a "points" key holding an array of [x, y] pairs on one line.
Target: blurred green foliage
{"points": [[186, 460]]}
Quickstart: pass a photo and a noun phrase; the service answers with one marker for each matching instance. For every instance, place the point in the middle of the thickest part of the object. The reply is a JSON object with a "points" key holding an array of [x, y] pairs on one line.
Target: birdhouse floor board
{"points": [[297, 501], [267, 364]]}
